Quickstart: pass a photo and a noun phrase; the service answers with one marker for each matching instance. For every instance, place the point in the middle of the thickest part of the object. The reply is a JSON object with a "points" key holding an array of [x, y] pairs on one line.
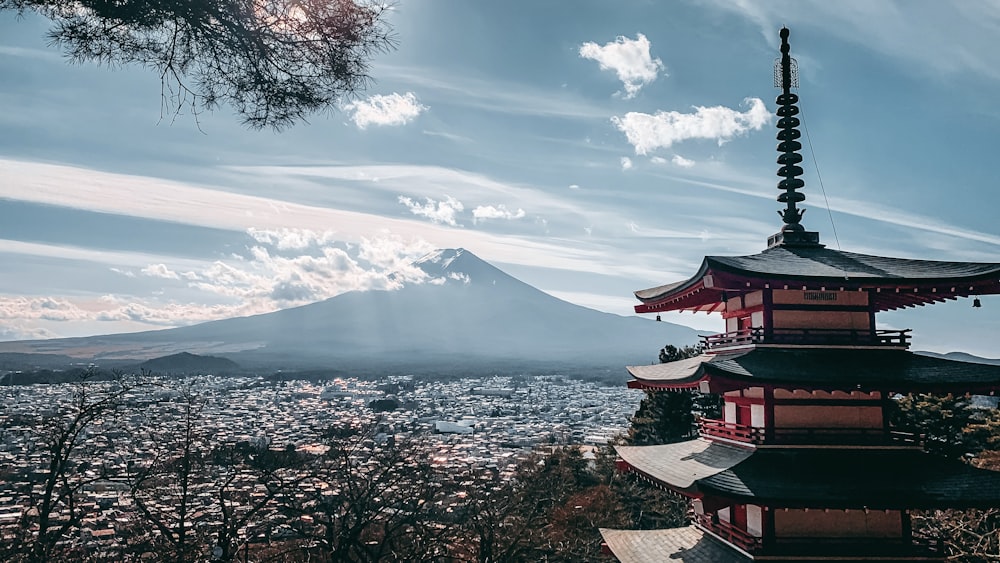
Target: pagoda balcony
{"points": [[807, 337], [735, 536], [785, 436], [916, 547]]}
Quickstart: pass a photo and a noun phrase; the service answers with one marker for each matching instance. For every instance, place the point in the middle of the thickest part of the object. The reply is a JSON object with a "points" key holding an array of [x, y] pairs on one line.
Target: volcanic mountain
{"points": [[471, 315]]}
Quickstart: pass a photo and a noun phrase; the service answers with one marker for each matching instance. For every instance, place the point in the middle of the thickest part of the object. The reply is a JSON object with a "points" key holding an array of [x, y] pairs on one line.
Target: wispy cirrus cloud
{"points": [[29, 53], [483, 212], [628, 58], [648, 132], [382, 110], [498, 96], [183, 203], [922, 39]]}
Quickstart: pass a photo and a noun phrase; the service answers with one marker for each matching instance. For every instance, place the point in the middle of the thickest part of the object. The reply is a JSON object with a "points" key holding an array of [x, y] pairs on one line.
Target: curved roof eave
{"points": [[820, 369], [682, 464], [824, 266], [659, 292], [677, 374], [839, 478]]}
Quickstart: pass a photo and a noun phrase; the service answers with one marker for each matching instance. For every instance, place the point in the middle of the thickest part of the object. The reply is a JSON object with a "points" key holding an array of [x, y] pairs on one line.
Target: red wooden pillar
{"points": [[768, 299]]}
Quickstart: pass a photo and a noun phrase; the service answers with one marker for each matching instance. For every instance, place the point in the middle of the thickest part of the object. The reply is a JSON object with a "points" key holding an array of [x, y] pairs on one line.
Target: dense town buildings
{"points": [[508, 418]]}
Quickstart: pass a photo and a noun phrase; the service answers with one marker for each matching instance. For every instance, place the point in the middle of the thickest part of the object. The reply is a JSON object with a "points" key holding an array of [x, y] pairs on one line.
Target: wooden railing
{"points": [[801, 436], [901, 547], [730, 431], [917, 546], [807, 336], [733, 339], [725, 530]]}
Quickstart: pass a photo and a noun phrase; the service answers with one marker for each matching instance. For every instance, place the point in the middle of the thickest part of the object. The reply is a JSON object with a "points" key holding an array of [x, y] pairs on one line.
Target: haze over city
{"points": [[589, 150]]}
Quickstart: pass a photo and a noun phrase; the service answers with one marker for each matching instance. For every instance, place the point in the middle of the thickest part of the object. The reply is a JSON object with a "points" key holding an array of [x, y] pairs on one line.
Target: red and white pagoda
{"points": [[803, 465]]}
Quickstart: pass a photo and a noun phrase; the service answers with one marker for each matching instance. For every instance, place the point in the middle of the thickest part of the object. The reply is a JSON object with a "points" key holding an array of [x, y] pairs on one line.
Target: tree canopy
{"points": [[273, 61]]}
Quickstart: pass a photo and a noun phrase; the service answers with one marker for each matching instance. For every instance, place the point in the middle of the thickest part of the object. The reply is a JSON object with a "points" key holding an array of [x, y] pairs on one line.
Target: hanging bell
{"points": [[658, 319], [976, 303]]}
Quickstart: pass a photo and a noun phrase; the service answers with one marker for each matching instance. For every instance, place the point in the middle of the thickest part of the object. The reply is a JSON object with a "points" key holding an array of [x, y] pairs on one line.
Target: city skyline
{"points": [[589, 151]]}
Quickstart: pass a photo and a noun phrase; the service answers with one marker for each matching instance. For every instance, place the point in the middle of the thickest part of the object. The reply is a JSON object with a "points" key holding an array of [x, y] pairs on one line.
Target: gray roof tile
{"points": [[844, 478], [688, 545], [682, 463], [896, 370]]}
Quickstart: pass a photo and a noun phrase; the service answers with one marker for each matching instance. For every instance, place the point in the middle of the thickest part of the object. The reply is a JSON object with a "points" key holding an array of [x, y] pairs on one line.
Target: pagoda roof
{"points": [[845, 478], [815, 477], [820, 368], [895, 282], [681, 464], [688, 544]]}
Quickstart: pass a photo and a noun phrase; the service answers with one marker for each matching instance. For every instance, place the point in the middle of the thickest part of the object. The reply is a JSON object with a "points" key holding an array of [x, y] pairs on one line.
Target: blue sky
{"points": [[589, 148]]}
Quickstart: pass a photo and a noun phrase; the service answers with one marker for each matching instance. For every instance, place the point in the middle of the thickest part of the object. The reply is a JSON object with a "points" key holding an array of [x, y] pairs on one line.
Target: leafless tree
{"points": [[65, 441], [970, 536], [166, 486], [511, 520], [369, 500]]}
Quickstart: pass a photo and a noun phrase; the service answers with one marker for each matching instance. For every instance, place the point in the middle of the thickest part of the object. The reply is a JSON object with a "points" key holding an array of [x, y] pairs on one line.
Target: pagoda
{"points": [[803, 465]]}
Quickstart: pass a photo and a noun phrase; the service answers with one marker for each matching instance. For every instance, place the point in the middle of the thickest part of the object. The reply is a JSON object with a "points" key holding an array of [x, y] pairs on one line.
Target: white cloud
{"points": [[574, 187], [682, 162], [658, 160], [160, 271], [263, 280], [40, 308], [444, 211], [484, 212], [291, 239], [630, 59], [118, 309], [648, 132], [391, 109], [626, 163], [461, 277]]}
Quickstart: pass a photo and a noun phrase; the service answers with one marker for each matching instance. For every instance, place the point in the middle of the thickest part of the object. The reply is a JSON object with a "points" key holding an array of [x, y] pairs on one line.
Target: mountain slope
{"points": [[468, 313]]}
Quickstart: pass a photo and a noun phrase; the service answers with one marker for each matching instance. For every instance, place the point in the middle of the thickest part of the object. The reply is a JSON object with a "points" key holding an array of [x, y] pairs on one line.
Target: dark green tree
{"points": [[666, 416], [274, 61], [663, 417], [949, 424]]}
